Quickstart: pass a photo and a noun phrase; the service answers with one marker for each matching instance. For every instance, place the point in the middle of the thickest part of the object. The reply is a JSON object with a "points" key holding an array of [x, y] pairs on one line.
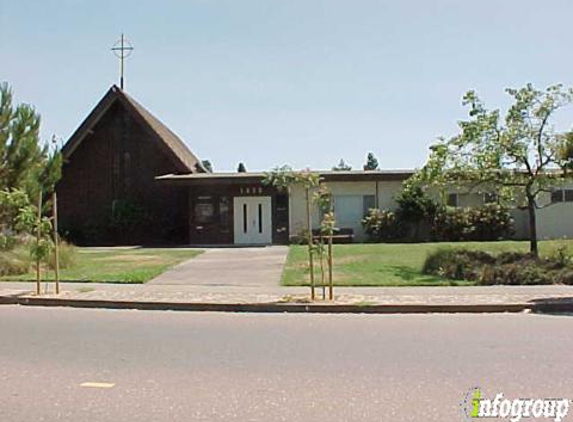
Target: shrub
{"points": [[562, 257], [67, 254], [511, 268], [416, 210], [451, 224], [7, 241], [511, 257], [14, 263], [17, 217], [565, 277], [516, 274], [490, 222], [382, 225], [456, 264]]}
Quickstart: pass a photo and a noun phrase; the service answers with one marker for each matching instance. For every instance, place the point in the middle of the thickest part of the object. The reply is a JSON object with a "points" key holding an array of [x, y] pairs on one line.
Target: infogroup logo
{"points": [[475, 406]]}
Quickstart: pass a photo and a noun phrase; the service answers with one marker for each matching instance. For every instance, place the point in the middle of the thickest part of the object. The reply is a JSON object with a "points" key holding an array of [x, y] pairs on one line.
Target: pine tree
{"points": [[24, 163], [371, 162], [207, 165], [342, 166], [241, 168]]}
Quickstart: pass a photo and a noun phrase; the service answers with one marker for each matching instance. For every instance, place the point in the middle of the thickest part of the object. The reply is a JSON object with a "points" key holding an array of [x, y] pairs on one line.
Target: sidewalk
{"points": [[295, 299]]}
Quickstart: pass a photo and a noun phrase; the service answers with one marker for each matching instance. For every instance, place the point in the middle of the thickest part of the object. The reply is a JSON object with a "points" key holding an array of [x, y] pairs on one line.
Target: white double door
{"points": [[252, 220]]}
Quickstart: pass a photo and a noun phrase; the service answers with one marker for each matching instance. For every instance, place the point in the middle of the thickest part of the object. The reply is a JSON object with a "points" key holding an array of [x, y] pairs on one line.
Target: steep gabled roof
{"points": [[172, 143]]}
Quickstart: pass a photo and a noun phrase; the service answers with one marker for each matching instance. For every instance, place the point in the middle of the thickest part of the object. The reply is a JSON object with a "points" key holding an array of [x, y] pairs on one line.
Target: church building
{"points": [[114, 190], [127, 179], [108, 194]]}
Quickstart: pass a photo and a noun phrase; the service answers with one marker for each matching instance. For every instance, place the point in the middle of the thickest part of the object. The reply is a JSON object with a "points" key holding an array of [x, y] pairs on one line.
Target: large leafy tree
{"points": [[520, 156], [25, 163]]}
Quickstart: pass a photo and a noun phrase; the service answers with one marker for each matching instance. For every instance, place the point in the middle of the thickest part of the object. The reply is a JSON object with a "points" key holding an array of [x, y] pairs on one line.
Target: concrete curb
{"points": [[544, 307], [548, 305]]}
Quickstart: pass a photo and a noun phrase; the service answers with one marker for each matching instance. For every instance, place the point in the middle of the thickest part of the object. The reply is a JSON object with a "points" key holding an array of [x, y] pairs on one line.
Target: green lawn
{"points": [[393, 264], [117, 265]]}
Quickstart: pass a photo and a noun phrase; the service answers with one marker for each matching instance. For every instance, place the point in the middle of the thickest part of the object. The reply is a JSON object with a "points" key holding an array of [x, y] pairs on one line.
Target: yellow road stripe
{"points": [[97, 384]]}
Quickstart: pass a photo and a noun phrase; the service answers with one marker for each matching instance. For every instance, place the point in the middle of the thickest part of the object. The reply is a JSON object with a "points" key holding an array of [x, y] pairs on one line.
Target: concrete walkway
{"points": [[261, 267], [204, 293]]}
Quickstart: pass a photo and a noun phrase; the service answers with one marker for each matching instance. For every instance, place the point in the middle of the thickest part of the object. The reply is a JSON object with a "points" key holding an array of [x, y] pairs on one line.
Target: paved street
{"points": [[169, 366]]}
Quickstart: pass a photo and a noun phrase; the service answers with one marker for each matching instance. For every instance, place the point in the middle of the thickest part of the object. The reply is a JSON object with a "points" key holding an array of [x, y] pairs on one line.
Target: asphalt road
{"points": [[169, 366]]}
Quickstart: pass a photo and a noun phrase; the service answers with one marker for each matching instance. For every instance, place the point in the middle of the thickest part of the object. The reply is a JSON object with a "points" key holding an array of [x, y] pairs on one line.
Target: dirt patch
{"points": [[349, 259], [147, 259]]}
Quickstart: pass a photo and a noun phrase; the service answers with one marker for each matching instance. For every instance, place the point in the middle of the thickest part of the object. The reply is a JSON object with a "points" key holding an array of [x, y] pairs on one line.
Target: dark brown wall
{"points": [[114, 168]]}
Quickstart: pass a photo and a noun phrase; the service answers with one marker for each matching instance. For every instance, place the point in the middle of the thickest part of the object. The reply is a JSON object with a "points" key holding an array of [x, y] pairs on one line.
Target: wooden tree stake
{"points": [[330, 282], [56, 242], [310, 242], [38, 228]]}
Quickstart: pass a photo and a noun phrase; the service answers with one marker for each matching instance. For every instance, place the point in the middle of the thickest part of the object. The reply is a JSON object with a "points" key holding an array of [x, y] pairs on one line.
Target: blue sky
{"points": [[300, 82]]}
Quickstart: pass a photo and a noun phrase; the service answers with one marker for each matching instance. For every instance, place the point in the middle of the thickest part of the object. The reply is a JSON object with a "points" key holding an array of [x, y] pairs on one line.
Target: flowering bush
{"points": [[490, 222], [383, 225]]}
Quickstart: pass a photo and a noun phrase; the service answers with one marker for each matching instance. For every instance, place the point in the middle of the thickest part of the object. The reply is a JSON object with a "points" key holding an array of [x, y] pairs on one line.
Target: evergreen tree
{"points": [[371, 162], [241, 168], [207, 165], [342, 166], [24, 163]]}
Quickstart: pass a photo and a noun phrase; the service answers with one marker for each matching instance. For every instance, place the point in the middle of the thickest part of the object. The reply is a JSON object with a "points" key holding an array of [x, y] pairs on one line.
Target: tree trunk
{"points": [[533, 249]]}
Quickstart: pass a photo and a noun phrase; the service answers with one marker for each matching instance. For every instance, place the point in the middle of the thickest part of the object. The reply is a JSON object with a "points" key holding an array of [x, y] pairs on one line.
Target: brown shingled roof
{"points": [[174, 145]]}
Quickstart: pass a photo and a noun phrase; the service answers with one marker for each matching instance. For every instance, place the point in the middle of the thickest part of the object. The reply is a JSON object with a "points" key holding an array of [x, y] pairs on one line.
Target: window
{"points": [[556, 196], [368, 202], [490, 198], [452, 200], [281, 216], [204, 210], [282, 203], [224, 213], [348, 210]]}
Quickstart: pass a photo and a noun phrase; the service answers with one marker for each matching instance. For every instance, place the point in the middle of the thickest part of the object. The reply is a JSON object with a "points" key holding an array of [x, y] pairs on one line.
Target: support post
{"points": [[56, 242], [310, 243], [38, 234], [322, 270], [330, 282]]}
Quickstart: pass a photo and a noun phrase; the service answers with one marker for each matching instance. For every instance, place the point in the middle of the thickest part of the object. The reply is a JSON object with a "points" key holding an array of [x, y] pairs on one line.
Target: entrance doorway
{"points": [[252, 220]]}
